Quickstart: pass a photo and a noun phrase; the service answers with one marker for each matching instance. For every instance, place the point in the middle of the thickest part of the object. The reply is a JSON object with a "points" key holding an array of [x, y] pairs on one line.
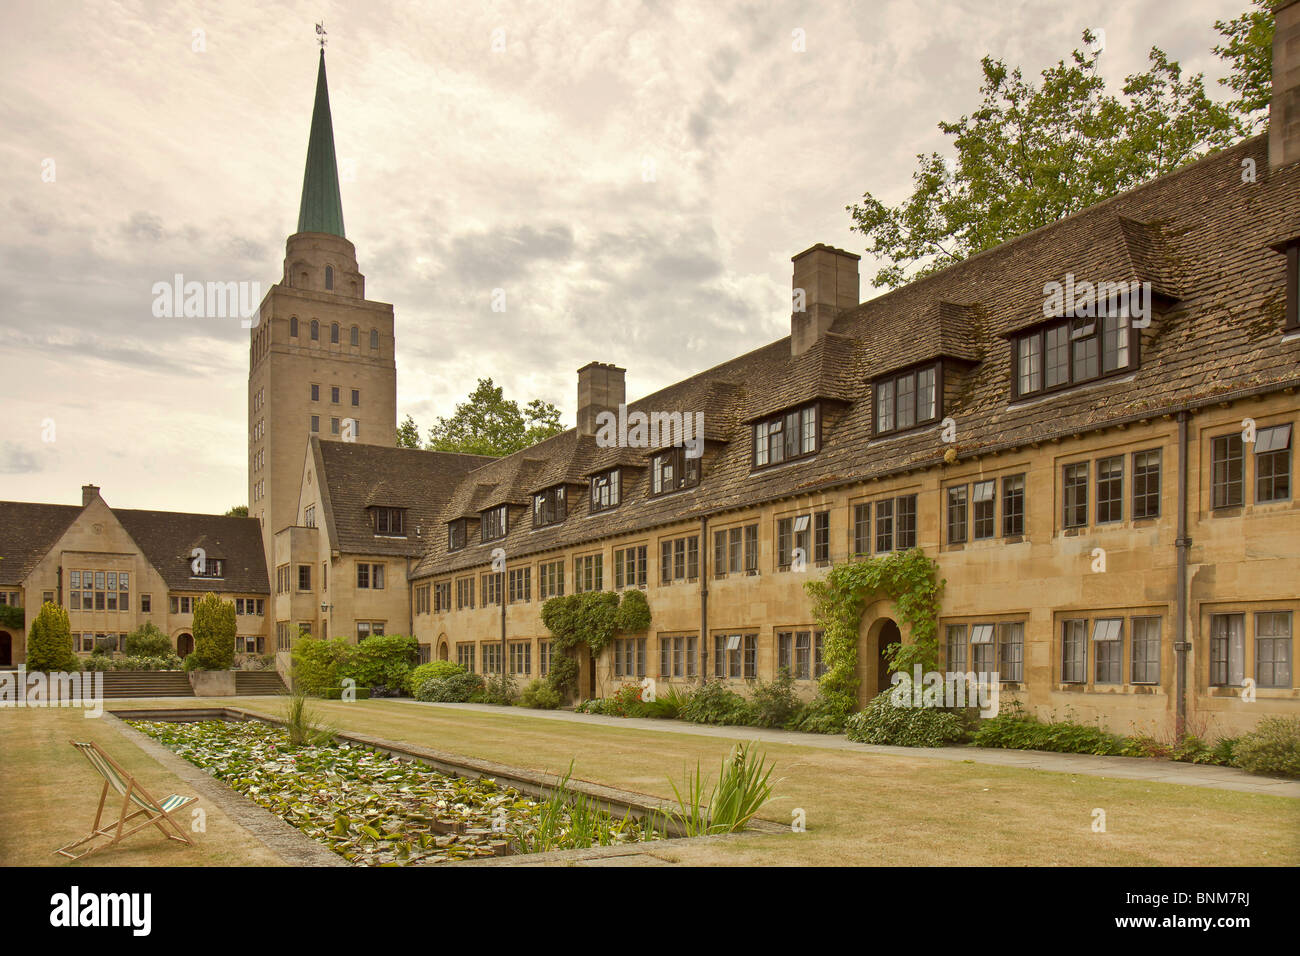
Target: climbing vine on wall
{"points": [[593, 618], [910, 580]]}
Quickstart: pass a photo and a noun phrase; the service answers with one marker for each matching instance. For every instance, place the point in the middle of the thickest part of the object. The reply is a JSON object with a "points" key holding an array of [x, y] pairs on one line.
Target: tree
{"points": [[238, 511], [1250, 50], [214, 633], [489, 424], [49, 642], [1034, 153], [408, 434]]}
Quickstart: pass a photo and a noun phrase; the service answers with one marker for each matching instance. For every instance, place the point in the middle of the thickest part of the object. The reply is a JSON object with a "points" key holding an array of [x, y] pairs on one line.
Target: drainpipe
{"points": [[501, 596], [704, 596], [1183, 543]]}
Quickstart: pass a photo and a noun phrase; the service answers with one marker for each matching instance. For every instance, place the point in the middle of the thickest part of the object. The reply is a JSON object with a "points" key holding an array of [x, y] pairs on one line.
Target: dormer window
{"points": [[673, 470], [492, 523], [211, 568], [390, 521], [1070, 351], [907, 399], [606, 490], [785, 437], [549, 506], [456, 534]]}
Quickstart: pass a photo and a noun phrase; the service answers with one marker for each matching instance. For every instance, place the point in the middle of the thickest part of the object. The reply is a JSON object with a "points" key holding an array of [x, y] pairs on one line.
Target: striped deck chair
{"points": [[155, 813]]}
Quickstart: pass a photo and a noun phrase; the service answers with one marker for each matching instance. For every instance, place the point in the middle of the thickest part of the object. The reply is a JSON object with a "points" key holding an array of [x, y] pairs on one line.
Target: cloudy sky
{"points": [[144, 139]]}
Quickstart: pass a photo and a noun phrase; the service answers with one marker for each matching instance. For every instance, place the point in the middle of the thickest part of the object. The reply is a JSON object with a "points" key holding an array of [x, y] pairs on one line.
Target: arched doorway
{"points": [[873, 665], [444, 653], [6, 649], [184, 645]]}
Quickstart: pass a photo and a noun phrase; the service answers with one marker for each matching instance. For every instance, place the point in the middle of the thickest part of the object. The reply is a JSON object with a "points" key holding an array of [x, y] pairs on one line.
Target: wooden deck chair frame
{"points": [[132, 793]]}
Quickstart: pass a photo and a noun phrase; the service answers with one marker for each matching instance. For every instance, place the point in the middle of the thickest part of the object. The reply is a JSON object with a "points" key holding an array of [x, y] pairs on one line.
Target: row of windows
{"points": [[972, 512], [313, 332], [370, 576], [520, 657], [1272, 455], [1114, 650], [100, 591], [335, 393], [338, 426]]}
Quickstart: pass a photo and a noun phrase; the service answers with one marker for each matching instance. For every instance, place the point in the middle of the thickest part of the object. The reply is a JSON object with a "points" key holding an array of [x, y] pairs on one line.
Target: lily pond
{"points": [[374, 809]]}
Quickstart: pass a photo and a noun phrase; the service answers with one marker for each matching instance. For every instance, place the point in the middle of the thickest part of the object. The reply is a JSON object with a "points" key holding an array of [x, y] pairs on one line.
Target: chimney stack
{"points": [[825, 282], [1284, 109], [601, 388], [88, 494]]}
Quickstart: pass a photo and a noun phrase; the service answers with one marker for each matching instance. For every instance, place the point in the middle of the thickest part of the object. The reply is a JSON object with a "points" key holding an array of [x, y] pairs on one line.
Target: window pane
{"points": [[1031, 364]]}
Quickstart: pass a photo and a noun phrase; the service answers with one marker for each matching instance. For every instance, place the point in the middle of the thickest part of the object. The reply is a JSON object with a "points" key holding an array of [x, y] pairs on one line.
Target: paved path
{"points": [[1122, 768]]}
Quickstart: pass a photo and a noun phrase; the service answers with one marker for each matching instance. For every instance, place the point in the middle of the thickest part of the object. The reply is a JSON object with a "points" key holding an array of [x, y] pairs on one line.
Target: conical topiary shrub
{"points": [[49, 642], [214, 633]]}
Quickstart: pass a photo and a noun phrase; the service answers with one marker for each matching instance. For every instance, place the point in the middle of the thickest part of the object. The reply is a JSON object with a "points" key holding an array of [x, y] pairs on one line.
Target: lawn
{"points": [[860, 808]]}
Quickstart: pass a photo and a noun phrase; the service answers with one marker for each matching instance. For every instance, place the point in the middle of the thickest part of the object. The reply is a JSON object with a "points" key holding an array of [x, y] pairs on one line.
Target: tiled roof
{"points": [[1200, 236], [355, 477], [166, 538], [27, 532]]}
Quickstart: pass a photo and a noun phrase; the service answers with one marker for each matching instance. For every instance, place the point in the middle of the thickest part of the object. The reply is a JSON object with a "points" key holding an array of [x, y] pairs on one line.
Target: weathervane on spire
{"points": [[320, 34]]}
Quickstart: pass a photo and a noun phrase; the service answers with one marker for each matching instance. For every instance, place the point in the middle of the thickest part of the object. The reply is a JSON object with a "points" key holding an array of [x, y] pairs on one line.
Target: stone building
{"points": [[115, 569], [1089, 428]]}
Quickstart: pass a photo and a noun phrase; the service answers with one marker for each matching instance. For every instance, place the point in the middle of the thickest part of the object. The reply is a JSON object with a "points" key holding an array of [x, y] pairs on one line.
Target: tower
{"points": [[321, 353]]}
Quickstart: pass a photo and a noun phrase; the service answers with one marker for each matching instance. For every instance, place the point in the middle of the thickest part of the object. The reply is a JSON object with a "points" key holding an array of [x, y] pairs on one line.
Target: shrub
{"points": [[497, 689], [98, 662], [1016, 730], [827, 713], [168, 662], [1272, 747], [49, 643], [454, 689], [540, 695], [668, 703], [775, 704], [883, 722], [319, 664], [595, 705], [147, 641], [384, 660], [715, 703], [430, 670], [214, 633], [191, 662]]}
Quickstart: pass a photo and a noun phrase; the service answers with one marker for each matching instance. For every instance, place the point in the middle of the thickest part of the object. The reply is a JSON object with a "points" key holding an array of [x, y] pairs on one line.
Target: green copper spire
{"points": [[322, 207]]}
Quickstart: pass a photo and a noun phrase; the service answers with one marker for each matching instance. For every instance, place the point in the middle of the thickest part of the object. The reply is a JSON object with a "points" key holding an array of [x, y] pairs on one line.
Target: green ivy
{"points": [[11, 616], [592, 618], [910, 580]]}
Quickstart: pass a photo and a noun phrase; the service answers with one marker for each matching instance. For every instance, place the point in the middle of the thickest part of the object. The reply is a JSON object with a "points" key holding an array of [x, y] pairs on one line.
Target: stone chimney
{"points": [[825, 282], [601, 388], [1284, 110], [88, 494]]}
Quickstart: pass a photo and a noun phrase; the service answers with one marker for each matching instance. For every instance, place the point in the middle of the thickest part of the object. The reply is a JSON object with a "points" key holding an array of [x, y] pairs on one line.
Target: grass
{"points": [[861, 808], [49, 792]]}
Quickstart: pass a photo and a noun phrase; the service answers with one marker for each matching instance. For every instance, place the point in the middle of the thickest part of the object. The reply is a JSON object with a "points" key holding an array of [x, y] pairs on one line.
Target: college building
{"points": [[1089, 429]]}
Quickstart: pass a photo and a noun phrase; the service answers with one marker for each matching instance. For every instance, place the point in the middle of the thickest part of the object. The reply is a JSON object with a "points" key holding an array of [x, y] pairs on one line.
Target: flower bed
{"points": [[374, 809]]}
